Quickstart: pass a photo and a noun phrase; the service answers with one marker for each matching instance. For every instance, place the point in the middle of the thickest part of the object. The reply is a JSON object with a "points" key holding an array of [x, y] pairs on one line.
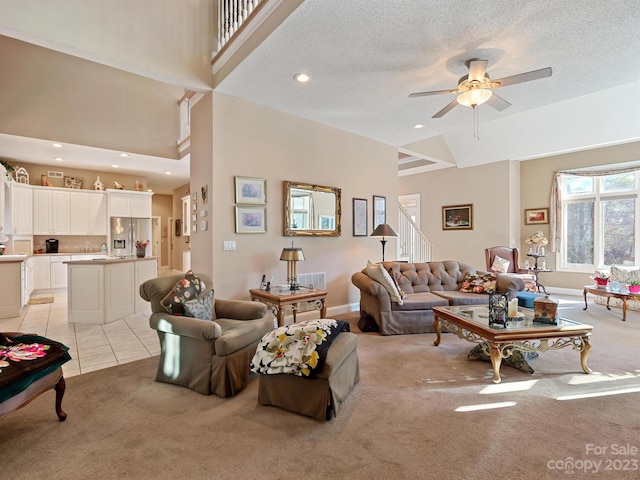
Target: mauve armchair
{"points": [[512, 255]]}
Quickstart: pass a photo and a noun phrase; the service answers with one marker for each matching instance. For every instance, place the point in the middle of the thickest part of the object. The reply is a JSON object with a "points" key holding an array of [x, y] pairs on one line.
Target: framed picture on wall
{"points": [[535, 216], [251, 219], [360, 217], [251, 191], [379, 210], [457, 217]]}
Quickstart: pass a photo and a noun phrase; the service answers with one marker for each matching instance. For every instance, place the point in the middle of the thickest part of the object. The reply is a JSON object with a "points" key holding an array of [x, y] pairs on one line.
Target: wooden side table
{"points": [[281, 301], [608, 293]]}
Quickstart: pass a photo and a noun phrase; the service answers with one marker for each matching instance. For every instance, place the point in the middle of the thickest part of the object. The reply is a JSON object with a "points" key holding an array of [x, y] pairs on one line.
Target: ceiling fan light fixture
{"points": [[474, 97]]}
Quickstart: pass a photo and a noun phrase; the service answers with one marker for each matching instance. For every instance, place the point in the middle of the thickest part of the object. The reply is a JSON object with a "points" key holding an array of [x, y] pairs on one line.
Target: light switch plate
{"points": [[229, 245]]}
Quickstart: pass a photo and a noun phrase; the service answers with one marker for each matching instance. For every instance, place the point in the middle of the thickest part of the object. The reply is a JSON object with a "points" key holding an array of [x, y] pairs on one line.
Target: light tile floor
{"points": [[92, 347]]}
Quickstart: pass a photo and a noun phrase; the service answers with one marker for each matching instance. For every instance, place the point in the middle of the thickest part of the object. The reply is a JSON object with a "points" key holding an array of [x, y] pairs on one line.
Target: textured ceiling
{"points": [[366, 56]]}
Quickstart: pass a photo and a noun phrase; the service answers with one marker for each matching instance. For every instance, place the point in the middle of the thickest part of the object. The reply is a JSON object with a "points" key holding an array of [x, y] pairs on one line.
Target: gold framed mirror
{"points": [[311, 210]]}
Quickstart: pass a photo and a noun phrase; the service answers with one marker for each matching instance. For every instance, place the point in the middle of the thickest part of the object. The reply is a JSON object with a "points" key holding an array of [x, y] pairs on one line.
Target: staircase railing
{"points": [[414, 246], [231, 15]]}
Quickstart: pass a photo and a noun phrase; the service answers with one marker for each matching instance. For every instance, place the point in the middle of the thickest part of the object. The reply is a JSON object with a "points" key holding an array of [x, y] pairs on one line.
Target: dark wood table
{"points": [[606, 291], [471, 322], [283, 301]]}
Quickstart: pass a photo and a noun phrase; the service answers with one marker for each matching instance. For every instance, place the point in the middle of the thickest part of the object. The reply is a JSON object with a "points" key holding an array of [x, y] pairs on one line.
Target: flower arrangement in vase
{"points": [[537, 242], [141, 248]]}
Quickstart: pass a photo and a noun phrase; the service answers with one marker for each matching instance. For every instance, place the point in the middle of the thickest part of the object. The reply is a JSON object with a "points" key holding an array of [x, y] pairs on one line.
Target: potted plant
{"points": [[634, 286], [601, 279]]}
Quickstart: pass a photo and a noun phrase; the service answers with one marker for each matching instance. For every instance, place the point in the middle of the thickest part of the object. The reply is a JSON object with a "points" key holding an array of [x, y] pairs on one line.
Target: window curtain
{"points": [[555, 216]]}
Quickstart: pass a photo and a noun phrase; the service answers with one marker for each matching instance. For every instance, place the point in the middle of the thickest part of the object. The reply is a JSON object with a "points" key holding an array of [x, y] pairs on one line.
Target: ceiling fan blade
{"points": [[446, 109], [477, 69], [522, 77], [498, 103], [434, 92]]}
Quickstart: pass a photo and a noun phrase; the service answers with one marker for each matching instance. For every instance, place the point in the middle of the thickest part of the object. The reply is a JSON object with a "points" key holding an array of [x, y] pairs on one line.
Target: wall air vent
{"points": [[55, 174]]}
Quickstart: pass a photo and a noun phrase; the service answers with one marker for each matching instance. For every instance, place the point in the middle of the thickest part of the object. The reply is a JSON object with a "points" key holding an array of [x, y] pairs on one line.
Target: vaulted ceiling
{"points": [[364, 57]]}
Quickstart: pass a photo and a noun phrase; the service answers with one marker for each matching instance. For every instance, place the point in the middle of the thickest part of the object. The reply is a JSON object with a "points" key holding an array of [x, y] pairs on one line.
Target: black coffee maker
{"points": [[52, 245]]}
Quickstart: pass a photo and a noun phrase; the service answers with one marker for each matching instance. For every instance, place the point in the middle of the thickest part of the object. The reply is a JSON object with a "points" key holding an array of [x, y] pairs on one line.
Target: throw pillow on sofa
{"points": [[500, 265], [478, 283], [377, 272]]}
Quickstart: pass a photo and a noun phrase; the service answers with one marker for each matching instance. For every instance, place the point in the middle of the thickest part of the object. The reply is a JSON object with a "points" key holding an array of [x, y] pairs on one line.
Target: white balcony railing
{"points": [[231, 15]]}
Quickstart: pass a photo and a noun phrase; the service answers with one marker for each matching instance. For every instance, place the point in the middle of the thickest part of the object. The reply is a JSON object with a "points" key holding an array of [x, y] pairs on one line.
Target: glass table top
{"points": [[479, 314]]}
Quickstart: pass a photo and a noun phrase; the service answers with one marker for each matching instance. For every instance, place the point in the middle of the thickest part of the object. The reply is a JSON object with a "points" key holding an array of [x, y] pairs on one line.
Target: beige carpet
{"points": [[41, 300], [400, 422]]}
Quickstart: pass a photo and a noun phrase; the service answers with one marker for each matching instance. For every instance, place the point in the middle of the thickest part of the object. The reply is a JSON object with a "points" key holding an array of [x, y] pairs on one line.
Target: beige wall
{"points": [[254, 141], [500, 192], [535, 186], [487, 187]]}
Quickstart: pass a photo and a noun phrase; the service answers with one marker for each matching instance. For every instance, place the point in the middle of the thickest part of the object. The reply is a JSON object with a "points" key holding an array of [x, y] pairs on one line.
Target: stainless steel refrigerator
{"points": [[125, 232]]}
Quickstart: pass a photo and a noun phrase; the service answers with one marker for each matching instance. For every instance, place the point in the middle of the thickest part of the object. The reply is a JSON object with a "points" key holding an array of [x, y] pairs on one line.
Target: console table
{"points": [[282, 301]]}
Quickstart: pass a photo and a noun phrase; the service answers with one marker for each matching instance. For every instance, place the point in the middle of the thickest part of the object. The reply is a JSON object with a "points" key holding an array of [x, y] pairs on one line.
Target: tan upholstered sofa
{"points": [[426, 285]]}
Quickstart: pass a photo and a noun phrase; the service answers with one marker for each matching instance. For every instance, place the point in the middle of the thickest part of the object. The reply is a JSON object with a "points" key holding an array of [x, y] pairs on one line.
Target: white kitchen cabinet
{"points": [[59, 271], [27, 280], [42, 272], [51, 211], [129, 204], [88, 213], [19, 209]]}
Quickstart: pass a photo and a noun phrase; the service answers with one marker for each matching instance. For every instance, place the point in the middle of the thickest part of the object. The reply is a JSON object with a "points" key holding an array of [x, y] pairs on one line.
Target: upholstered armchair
{"points": [[208, 356], [511, 255]]}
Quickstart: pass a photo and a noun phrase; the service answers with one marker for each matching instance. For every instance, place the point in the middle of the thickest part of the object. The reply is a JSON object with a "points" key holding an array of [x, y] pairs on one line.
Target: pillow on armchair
{"points": [[500, 265], [201, 307], [188, 288]]}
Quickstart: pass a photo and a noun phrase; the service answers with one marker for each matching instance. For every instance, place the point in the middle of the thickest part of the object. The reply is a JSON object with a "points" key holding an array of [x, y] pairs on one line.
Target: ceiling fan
{"points": [[477, 88]]}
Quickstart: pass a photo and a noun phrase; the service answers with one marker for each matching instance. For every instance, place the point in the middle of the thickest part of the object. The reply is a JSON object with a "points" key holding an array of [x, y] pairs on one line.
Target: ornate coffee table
{"points": [[607, 292], [471, 322]]}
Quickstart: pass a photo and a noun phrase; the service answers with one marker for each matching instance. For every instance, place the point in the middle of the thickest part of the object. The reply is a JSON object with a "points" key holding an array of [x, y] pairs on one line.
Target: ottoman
{"points": [[525, 299], [321, 396]]}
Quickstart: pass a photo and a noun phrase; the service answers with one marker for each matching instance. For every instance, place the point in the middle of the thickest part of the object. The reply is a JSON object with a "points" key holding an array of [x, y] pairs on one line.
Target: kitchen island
{"points": [[104, 290], [12, 296]]}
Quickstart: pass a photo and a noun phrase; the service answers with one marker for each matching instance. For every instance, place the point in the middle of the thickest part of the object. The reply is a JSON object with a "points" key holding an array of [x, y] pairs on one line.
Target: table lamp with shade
{"points": [[383, 230], [291, 256]]}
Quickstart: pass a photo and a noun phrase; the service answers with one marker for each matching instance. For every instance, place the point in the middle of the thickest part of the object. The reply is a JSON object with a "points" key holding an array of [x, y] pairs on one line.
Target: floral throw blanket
{"points": [[297, 349], [26, 358]]}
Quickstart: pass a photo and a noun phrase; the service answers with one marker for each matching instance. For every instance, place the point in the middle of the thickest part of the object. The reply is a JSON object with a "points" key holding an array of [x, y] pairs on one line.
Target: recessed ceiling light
{"points": [[418, 126], [57, 145], [167, 173], [57, 159], [124, 154], [301, 77], [149, 190], [114, 166]]}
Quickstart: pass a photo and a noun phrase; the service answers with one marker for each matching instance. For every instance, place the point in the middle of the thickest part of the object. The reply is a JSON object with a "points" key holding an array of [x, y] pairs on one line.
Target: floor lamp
{"points": [[383, 230]]}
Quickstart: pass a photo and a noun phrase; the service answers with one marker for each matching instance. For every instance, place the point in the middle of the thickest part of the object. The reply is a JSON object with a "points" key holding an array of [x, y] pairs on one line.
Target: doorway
{"points": [[411, 204]]}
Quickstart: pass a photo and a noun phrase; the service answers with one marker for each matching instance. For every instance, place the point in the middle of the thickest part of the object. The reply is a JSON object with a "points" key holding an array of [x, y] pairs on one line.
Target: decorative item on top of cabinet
{"points": [[117, 185], [22, 176], [138, 185], [98, 185]]}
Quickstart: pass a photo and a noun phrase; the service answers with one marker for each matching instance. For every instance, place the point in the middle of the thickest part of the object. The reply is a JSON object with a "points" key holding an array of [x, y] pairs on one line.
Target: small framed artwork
{"points": [[70, 182], [457, 217], [536, 216], [251, 219], [252, 191], [379, 210], [360, 217], [178, 225]]}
